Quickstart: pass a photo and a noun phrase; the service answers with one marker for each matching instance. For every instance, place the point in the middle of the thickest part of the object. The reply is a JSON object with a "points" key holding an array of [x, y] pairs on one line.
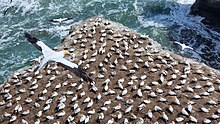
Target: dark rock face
{"points": [[210, 10]]}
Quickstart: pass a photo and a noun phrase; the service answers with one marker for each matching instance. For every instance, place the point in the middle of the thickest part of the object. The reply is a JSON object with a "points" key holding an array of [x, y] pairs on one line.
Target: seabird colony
{"points": [[134, 82]]}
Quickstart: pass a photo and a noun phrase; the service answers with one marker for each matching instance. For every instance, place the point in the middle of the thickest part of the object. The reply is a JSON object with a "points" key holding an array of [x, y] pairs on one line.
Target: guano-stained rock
{"points": [[135, 81]]}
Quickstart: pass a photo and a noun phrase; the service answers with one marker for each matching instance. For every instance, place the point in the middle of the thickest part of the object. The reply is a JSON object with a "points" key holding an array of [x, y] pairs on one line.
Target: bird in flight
{"points": [[60, 19], [184, 46], [58, 57]]}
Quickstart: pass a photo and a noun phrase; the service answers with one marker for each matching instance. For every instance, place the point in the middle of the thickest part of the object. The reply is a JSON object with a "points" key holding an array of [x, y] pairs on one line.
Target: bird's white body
{"points": [[60, 19], [51, 55]]}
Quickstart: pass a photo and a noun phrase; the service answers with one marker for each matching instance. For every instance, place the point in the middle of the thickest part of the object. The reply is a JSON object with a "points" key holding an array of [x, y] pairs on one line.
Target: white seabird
{"points": [[60, 19], [51, 55], [184, 46]]}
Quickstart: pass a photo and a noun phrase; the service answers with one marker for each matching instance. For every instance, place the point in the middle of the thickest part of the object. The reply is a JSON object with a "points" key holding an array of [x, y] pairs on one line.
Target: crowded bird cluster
{"points": [[134, 81]]}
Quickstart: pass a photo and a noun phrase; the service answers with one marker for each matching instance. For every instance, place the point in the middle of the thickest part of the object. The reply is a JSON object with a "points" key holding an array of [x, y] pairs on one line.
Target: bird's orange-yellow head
{"points": [[66, 52]]}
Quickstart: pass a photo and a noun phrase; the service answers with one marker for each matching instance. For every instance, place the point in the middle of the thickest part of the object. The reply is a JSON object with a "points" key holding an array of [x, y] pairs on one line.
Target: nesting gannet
{"points": [[51, 55], [183, 46]]}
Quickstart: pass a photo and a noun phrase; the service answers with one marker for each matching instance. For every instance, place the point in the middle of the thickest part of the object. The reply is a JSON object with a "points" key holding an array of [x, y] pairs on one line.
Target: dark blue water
{"points": [[165, 21]]}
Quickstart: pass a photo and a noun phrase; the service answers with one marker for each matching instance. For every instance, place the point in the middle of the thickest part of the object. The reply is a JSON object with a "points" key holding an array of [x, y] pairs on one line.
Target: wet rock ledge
{"points": [[135, 82]]}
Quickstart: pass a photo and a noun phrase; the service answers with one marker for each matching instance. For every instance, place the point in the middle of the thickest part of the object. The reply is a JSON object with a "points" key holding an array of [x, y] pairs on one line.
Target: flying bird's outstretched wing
{"points": [[74, 68], [32, 40], [178, 43], [38, 44], [184, 46], [188, 47]]}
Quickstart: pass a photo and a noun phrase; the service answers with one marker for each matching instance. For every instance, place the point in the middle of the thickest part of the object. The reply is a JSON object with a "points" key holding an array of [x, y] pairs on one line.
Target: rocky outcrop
{"points": [[210, 10], [135, 81]]}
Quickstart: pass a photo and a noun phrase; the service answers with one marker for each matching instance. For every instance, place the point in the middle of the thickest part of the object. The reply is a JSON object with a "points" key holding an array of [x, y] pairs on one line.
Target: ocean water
{"points": [[165, 21]]}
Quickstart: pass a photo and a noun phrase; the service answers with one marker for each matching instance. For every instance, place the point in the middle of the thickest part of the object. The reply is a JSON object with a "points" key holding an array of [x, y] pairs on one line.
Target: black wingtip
{"points": [[51, 20], [27, 35], [85, 77], [30, 38], [80, 73], [69, 18], [89, 79]]}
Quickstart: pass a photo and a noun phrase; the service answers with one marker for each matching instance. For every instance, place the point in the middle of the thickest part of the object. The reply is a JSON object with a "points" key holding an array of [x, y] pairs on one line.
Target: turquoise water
{"points": [[165, 21]]}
